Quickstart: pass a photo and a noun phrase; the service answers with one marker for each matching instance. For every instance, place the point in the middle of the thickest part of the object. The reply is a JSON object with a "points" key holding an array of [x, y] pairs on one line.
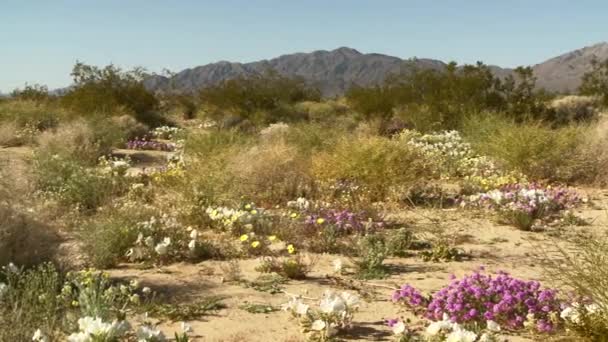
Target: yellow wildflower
{"points": [[291, 249], [294, 215], [255, 244], [244, 237], [272, 238], [253, 212], [248, 206], [320, 220]]}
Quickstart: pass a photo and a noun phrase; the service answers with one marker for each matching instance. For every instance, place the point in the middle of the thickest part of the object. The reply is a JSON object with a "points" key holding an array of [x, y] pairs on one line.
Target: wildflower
{"points": [[147, 333], [318, 325], [291, 249], [492, 326], [337, 263], [254, 212], [134, 283], [349, 298], [331, 303], [296, 305], [75, 303], [461, 335], [3, 289], [11, 268], [146, 290], [272, 238], [186, 328], [293, 215], [244, 237], [134, 298], [192, 245], [194, 234], [39, 336], [436, 327], [399, 328], [163, 247], [149, 241], [255, 244], [320, 220], [248, 206]]}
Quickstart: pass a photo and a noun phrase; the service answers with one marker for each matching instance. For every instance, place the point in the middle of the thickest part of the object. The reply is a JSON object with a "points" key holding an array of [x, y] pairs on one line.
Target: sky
{"points": [[41, 40]]}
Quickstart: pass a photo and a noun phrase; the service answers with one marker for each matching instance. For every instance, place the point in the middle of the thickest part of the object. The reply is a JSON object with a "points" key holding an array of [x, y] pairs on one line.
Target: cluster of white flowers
{"points": [[114, 166], [208, 124], [454, 332], [301, 204], [572, 314], [193, 238], [446, 143], [165, 132], [94, 329], [146, 245], [226, 216], [147, 333], [336, 311]]}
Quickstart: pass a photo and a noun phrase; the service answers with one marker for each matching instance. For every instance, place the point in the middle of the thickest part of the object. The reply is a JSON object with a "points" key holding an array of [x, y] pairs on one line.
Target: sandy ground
{"points": [[493, 246]]}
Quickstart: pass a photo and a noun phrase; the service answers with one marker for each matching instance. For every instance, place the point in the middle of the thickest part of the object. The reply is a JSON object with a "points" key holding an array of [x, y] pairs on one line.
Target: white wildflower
{"points": [[318, 325], [146, 333], [163, 247], [492, 326], [399, 328]]}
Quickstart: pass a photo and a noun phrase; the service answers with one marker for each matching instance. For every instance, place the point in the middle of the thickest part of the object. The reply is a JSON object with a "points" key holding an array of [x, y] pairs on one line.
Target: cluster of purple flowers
{"points": [[143, 144], [345, 220], [478, 298]]}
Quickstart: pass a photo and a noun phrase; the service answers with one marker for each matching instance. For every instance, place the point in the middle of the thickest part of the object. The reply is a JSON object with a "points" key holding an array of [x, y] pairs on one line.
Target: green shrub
{"points": [[31, 302], [108, 238], [532, 148], [260, 99], [384, 167], [40, 116], [74, 184], [595, 82], [372, 250], [110, 90]]}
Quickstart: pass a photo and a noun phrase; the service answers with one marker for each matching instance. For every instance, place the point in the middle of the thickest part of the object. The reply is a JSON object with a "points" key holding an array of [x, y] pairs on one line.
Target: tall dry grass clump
{"points": [[271, 172]]}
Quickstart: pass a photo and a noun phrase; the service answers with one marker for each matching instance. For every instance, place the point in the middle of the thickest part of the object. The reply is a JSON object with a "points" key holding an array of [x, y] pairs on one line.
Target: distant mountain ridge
{"points": [[333, 72]]}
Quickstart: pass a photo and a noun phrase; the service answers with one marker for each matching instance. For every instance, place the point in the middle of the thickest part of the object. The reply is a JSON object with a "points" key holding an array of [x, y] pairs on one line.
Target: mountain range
{"points": [[333, 72]]}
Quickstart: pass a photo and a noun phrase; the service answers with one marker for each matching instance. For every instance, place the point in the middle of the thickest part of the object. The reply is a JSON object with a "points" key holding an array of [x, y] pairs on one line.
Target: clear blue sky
{"points": [[41, 40]]}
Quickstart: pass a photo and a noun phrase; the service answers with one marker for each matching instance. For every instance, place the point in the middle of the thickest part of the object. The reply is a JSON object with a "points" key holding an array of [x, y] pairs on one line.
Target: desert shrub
{"points": [[74, 184], [263, 98], [372, 250], [580, 265], [33, 92], [108, 237], [23, 239], [12, 135], [569, 109], [110, 90], [29, 302], [383, 166], [322, 111], [595, 82], [314, 137], [271, 172], [532, 148], [293, 267], [40, 116]]}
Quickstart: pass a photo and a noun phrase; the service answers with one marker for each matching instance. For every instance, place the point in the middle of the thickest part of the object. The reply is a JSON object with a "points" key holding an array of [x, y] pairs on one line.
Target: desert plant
{"points": [[383, 166], [30, 301], [372, 250]]}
